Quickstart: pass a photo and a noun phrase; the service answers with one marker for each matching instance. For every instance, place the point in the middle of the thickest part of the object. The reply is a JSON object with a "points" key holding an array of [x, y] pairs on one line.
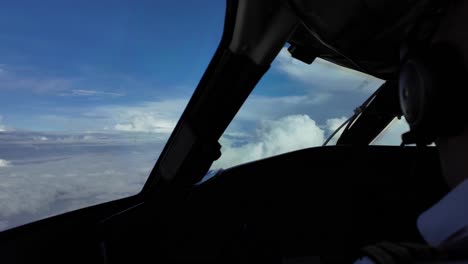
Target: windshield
{"points": [[91, 91], [295, 106]]}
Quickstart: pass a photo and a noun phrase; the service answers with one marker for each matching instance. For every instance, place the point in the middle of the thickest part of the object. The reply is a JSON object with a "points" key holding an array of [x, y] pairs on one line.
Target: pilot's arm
{"points": [[445, 229]]}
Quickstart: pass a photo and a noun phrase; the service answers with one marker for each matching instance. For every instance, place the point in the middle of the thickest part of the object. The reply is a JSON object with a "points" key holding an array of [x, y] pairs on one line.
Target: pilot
{"points": [[434, 100]]}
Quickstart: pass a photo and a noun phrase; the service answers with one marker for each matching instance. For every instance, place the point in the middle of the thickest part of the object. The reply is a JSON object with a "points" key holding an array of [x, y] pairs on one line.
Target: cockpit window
{"points": [[391, 135], [91, 90], [294, 106]]}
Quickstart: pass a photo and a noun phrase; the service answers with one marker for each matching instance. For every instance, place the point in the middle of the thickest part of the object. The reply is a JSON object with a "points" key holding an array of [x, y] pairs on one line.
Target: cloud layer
{"points": [[41, 178], [44, 174]]}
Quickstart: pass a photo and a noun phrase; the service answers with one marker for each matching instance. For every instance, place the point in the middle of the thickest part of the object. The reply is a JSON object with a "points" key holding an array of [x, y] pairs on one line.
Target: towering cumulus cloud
{"points": [[274, 137]]}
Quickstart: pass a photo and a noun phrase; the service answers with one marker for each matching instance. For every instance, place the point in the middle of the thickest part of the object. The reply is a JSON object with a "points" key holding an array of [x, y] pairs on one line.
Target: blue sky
{"points": [[61, 62], [91, 90], [125, 52]]}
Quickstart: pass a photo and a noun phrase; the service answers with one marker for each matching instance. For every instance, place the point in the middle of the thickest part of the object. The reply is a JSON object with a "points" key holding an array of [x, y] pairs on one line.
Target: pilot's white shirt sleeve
{"points": [[445, 223], [448, 217]]}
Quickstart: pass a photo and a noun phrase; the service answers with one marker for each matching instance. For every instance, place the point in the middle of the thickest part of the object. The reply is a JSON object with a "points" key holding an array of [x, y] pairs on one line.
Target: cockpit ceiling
{"points": [[365, 35]]}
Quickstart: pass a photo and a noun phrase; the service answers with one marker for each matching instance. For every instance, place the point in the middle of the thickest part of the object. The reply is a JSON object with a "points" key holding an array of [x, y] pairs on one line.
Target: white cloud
{"points": [[272, 137], [146, 122], [150, 117], [290, 133], [325, 75], [53, 178], [62, 185], [332, 125], [32, 79], [81, 92], [4, 163]]}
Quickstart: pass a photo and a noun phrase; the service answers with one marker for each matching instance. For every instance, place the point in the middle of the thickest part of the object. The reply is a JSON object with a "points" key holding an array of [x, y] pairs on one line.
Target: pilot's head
{"points": [[434, 91]]}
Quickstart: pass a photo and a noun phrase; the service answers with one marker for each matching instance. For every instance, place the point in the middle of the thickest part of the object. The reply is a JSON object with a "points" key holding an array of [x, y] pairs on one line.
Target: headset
{"points": [[433, 91]]}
